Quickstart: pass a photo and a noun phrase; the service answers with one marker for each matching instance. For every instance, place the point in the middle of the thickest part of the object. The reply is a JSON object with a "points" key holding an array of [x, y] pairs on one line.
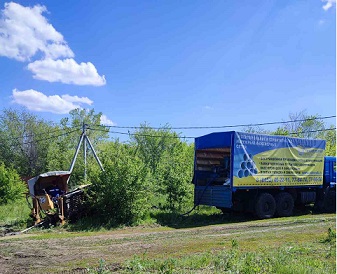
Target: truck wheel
{"points": [[284, 204], [265, 206], [330, 201]]}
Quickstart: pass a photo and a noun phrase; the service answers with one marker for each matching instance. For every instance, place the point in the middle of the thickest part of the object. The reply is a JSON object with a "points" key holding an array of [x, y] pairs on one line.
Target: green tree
{"points": [[151, 144], [330, 137], [120, 193], [303, 125], [11, 186], [169, 161], [174, 175], [24, 140], [281, 131]]}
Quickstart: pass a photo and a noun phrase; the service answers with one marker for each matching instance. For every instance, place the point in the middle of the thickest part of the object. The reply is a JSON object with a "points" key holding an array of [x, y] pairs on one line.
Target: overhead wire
{"points": [[51, 137], [92, 127], [224, 126], [193, 137], [312, 131], [141, 134], [38, 134]]}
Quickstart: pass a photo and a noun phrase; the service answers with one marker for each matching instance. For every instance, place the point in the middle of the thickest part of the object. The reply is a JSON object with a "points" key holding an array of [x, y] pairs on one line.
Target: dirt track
{"points": [[71, 253]]}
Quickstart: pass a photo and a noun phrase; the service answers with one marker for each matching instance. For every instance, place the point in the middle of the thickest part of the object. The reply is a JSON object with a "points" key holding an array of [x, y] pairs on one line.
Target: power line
{"points": [[51, 137], [38, 134], [143, 135], [190, 137], [225, 126], [312, 131], [158, 136]]}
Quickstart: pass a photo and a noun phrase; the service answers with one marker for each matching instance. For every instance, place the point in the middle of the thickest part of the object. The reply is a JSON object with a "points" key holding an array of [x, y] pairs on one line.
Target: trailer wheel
{"points": [[284, 204], [330, 201], [265, 206]]}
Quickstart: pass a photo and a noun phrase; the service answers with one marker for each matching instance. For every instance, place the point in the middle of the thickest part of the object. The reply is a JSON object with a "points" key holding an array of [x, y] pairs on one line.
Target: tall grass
{"points": [[14, 215]]}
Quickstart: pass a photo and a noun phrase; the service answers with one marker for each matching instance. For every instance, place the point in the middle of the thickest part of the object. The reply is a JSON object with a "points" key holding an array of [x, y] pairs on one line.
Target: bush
{"points": [[119, 195], [11, 186], [174, 175]]}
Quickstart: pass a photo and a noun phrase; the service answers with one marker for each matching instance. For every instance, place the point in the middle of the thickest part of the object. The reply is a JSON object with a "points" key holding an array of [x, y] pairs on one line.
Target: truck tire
{"points": [[284, 204], [265, 206], [330, 201]]}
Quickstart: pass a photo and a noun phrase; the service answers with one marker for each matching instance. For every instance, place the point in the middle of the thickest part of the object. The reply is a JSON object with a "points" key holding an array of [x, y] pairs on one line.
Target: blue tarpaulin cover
{"points": [[269, 160], [214, 140]]}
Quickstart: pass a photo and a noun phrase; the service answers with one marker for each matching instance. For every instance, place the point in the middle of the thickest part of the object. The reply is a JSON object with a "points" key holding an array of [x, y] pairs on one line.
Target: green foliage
{"points": [[170, 164], [11, 186], [120, 194], [235, 243], [152, 144], [330, 137], [15, 214], [302, 125], [23, 144], [331, 237], [174, 175], [102, 268], [281, 131]]}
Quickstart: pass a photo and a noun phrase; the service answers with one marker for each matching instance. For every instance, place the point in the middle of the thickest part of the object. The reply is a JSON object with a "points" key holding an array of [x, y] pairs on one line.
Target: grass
{"points": [[282, 260], [314, 256], [300, 244], [15, 215]]}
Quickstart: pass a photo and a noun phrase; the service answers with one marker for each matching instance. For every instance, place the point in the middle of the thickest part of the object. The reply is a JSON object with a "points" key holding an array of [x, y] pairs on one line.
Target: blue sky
{"points": [[186, 63]]}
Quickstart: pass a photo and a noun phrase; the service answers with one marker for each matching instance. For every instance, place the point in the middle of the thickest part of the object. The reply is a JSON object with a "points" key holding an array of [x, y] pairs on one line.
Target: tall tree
{"points": [[24, 140], [151, 143], [174, 175], [169, 161], [304, 126]]}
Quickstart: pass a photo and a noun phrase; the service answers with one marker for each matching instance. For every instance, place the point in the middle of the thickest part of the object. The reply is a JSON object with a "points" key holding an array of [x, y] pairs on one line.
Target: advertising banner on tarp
{"points": [[266, 160]]}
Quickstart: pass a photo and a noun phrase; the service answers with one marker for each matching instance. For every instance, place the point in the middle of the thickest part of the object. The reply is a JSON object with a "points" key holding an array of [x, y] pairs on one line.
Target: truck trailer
{"points": [[268, 175]]}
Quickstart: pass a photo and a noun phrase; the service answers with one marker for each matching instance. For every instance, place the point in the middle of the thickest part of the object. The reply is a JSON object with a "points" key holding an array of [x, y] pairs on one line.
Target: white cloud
{"points": [[24, 32], [207, 108], [106, 121], [76, 99], [329, 4], [37, 101], [66, 71]]}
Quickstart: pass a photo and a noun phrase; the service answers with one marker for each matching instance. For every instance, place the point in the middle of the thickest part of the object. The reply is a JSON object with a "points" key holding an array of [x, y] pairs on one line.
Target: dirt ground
{"points": [[74, 252]]}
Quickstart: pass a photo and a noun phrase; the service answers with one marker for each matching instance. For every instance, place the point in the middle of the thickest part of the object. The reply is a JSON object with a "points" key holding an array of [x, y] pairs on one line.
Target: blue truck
{"points": [[268, 175]]}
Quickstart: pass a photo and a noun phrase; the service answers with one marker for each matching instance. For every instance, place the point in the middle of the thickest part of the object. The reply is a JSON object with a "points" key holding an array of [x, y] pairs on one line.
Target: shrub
{"points": [[11, 186], [174, 175], [119, 195]]}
